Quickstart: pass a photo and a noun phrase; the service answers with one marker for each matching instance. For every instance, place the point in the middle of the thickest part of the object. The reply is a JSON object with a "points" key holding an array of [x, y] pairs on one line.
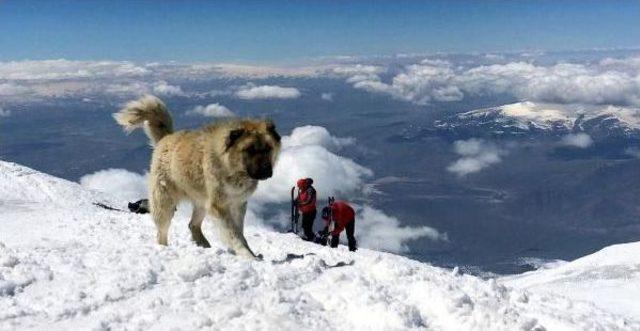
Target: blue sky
{"points": [[281, 31]]}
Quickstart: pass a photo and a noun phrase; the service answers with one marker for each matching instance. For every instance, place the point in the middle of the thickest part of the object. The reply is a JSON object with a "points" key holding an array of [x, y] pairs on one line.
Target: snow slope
{"points": [[609, 278], [68, 264]]}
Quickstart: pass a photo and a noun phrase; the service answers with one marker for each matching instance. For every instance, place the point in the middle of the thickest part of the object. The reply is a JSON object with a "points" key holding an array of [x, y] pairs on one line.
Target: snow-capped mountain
{"points": [[525, 118], [66, 263]]}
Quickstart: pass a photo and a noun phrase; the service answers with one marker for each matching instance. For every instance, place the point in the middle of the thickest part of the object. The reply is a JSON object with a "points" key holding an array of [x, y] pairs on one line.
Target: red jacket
{"points": [[306, 196], [341, 214]]}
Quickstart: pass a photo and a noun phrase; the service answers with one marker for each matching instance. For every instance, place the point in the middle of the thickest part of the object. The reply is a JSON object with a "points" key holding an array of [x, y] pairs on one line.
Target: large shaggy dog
{"points": [[216, 167]]}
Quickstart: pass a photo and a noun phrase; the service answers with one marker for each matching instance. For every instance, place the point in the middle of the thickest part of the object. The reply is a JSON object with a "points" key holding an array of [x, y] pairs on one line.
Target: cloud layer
{"points": [[64, 69], [22, 81], [610, 81]]}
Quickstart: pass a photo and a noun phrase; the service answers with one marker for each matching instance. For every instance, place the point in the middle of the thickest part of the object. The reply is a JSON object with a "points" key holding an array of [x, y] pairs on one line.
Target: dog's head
{"points": [[253, 146]]}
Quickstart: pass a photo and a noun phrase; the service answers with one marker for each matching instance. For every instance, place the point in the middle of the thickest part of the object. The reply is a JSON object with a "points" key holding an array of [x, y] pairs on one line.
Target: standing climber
{"points": [[343, 217], [306, 203]]}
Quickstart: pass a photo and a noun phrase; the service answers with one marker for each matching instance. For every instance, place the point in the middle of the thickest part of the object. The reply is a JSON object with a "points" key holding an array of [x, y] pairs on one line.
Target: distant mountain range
{"points": [[529, 118]]}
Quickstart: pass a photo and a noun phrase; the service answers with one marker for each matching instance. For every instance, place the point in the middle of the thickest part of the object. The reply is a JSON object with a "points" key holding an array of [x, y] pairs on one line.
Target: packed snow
{"points": [[66, 263], [609, 278]]}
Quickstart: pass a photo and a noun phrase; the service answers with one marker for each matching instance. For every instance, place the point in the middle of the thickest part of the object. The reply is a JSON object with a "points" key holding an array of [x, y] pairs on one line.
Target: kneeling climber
{"points": [[343, 217]]}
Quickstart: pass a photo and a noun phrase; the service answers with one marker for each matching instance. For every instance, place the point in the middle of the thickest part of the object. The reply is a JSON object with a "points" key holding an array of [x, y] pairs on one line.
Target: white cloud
{"points": [[380, 231], [494, 57], [12, 89], [355, 70], [4, 113], [368, 75], [310, 135], [214, 93], [252, 91], [560, 83], [332, 174], [127, 89], [419, 83], [65, 69], [579, 140], [615, 82], [609, 81], [24, 81], [120, 183], [131, 88], [476, 154], [531, 54], [163, 88], [211, 110], [327, 96], [253, 71], [309, 152]]}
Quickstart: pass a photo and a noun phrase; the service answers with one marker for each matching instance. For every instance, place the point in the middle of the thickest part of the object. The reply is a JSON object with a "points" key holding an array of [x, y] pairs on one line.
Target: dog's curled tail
{"points": [[148, 112]]}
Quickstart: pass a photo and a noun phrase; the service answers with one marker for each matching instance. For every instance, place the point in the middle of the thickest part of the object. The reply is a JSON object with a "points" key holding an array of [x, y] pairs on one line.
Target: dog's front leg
{"points": [[231, 227], [238, 213]]}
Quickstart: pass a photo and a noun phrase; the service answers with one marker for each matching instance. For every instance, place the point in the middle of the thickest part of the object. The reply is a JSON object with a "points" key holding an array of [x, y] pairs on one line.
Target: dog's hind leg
{"points": [[163, 206], [195, 225]]}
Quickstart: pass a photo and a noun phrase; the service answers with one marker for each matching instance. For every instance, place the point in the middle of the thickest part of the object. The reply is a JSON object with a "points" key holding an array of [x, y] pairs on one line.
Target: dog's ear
{"points": [[271, 129], [233, 137]]}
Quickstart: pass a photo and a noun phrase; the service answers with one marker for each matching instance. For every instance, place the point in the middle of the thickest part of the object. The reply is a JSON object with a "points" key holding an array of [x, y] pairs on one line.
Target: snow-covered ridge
{"points": [[610, 278], [550, 118], [68, 264], [22, 185]]}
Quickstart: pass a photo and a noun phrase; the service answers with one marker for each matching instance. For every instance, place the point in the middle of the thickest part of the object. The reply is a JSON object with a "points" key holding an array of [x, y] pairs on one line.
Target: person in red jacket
{"points": [[306, 203], [343, 217]]}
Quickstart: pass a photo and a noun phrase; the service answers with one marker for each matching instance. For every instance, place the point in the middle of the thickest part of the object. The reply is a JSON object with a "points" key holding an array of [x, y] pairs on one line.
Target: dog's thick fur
{"points": [[216, 167]]}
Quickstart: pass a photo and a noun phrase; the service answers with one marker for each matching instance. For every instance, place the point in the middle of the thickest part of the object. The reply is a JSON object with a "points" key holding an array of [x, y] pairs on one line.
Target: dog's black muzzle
{"points": [[262, 171]]}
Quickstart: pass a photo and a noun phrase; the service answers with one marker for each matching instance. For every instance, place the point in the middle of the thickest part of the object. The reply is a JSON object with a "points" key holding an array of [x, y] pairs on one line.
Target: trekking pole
{"points": [[293, 211]]}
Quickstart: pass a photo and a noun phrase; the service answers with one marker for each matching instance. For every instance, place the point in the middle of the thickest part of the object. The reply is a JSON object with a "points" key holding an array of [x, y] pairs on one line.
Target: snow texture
{"points": [[67, 264], [609, 278]]}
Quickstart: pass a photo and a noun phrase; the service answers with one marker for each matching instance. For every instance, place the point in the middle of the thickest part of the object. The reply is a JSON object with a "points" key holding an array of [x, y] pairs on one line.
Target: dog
{"points": [[216, 167]]}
